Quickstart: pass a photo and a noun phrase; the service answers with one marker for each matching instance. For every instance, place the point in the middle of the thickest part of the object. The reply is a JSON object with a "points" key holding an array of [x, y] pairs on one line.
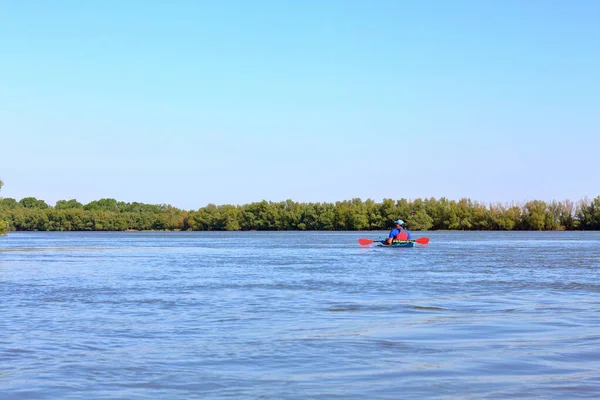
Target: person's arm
{"points": [[391, 236]]}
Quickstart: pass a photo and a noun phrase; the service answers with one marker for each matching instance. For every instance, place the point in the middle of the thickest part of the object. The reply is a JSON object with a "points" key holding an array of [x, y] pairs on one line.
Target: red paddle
{"points": [[365, 242]]}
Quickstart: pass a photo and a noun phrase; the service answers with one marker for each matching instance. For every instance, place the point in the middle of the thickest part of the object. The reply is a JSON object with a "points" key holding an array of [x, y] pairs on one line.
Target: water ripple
{"points": [[301, 315]]}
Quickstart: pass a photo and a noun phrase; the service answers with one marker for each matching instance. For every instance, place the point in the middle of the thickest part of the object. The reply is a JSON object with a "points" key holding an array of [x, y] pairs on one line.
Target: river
{"points": [[299, 315]]}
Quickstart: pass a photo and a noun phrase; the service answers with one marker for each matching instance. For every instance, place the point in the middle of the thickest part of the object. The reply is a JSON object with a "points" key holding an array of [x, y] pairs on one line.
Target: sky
{"points": [[229, 102]]}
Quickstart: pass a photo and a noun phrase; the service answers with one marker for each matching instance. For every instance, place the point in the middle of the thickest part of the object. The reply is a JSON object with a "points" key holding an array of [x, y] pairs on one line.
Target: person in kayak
{"points": [[399, 232]]}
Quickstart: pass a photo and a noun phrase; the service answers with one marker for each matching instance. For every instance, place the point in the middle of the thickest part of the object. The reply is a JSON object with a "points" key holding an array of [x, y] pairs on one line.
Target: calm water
{"points": [[299, 316]]}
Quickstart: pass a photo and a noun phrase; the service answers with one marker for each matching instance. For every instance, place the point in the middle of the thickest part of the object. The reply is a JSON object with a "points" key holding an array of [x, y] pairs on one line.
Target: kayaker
{"points": [[399, 232]]}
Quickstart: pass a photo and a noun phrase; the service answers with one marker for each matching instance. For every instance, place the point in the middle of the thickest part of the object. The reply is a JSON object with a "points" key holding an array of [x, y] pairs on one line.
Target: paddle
{"points": [[422, 240]]}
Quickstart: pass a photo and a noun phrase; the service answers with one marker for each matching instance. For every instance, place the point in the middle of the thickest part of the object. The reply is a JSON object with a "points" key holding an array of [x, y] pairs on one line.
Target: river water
{"points": [[299, 315]]}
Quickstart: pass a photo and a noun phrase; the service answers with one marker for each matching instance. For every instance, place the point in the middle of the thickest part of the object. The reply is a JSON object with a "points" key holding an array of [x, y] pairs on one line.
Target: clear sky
{"points": [[229, 102]]}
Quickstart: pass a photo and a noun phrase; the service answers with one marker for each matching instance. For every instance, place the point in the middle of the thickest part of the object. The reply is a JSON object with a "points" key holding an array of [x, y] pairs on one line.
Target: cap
{"points": [[399, 222]]}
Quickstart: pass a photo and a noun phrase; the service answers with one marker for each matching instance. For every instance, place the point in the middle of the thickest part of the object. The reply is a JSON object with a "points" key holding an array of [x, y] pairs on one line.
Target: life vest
{"points": [[402, 235]]}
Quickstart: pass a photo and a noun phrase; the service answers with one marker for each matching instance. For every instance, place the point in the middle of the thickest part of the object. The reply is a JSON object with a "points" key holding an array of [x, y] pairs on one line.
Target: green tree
{"points": [[404, 208], [36, 220], [420, 221], [374, 218], [32, 202], [102, 205], [588, 214], [65, 205], [3, 224], [358, 218], [535, 215], [229, 218], [388, 212], [436, 209], [310, 217], [291, 215], [452, 221], [420, 214], [596, 213], [481, 217], [326, 212], [206, 218], [465, 214], [342, 212], [514, 217], [502, 217], [8, 203], [566, 214], [261, 216]]}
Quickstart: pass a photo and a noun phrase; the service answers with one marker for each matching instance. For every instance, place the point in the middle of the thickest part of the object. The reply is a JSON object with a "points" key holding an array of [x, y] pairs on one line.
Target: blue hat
{"points": [[399, 222]]}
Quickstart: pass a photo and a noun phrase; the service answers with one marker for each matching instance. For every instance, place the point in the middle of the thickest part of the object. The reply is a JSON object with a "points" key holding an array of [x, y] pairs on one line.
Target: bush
{"points": [[3, 227]]}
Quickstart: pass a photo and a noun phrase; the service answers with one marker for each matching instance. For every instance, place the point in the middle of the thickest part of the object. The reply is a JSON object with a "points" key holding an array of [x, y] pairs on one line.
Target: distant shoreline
{"points": [[31, 214]]}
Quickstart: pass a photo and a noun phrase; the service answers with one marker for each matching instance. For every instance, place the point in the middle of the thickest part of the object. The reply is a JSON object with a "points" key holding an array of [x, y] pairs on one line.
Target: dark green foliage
{"points": [[420, 221], [32, 202], [3, 224], [9, 203], [102, 205], [31, 214], [588, 214], [66, 205]]}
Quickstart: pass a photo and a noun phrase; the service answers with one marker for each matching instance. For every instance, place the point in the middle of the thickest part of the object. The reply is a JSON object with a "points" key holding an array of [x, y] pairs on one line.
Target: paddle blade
{"points": [[365, 242], [422, 240]]}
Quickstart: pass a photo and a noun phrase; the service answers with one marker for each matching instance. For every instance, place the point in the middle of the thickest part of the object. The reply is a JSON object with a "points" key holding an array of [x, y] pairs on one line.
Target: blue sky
{"points": [[191, 102]]}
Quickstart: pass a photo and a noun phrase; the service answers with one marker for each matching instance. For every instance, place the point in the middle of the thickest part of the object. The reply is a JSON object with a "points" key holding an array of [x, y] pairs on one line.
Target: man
{"points": [[398, 233]]}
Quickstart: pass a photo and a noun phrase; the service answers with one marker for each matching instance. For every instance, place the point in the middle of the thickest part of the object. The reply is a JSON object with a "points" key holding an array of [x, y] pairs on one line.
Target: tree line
{"points": [[31, 214], [3, 224]]}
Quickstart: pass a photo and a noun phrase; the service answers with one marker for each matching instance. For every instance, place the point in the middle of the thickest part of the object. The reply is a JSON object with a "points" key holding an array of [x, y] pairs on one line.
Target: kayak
{"points": [[398, 244]]}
